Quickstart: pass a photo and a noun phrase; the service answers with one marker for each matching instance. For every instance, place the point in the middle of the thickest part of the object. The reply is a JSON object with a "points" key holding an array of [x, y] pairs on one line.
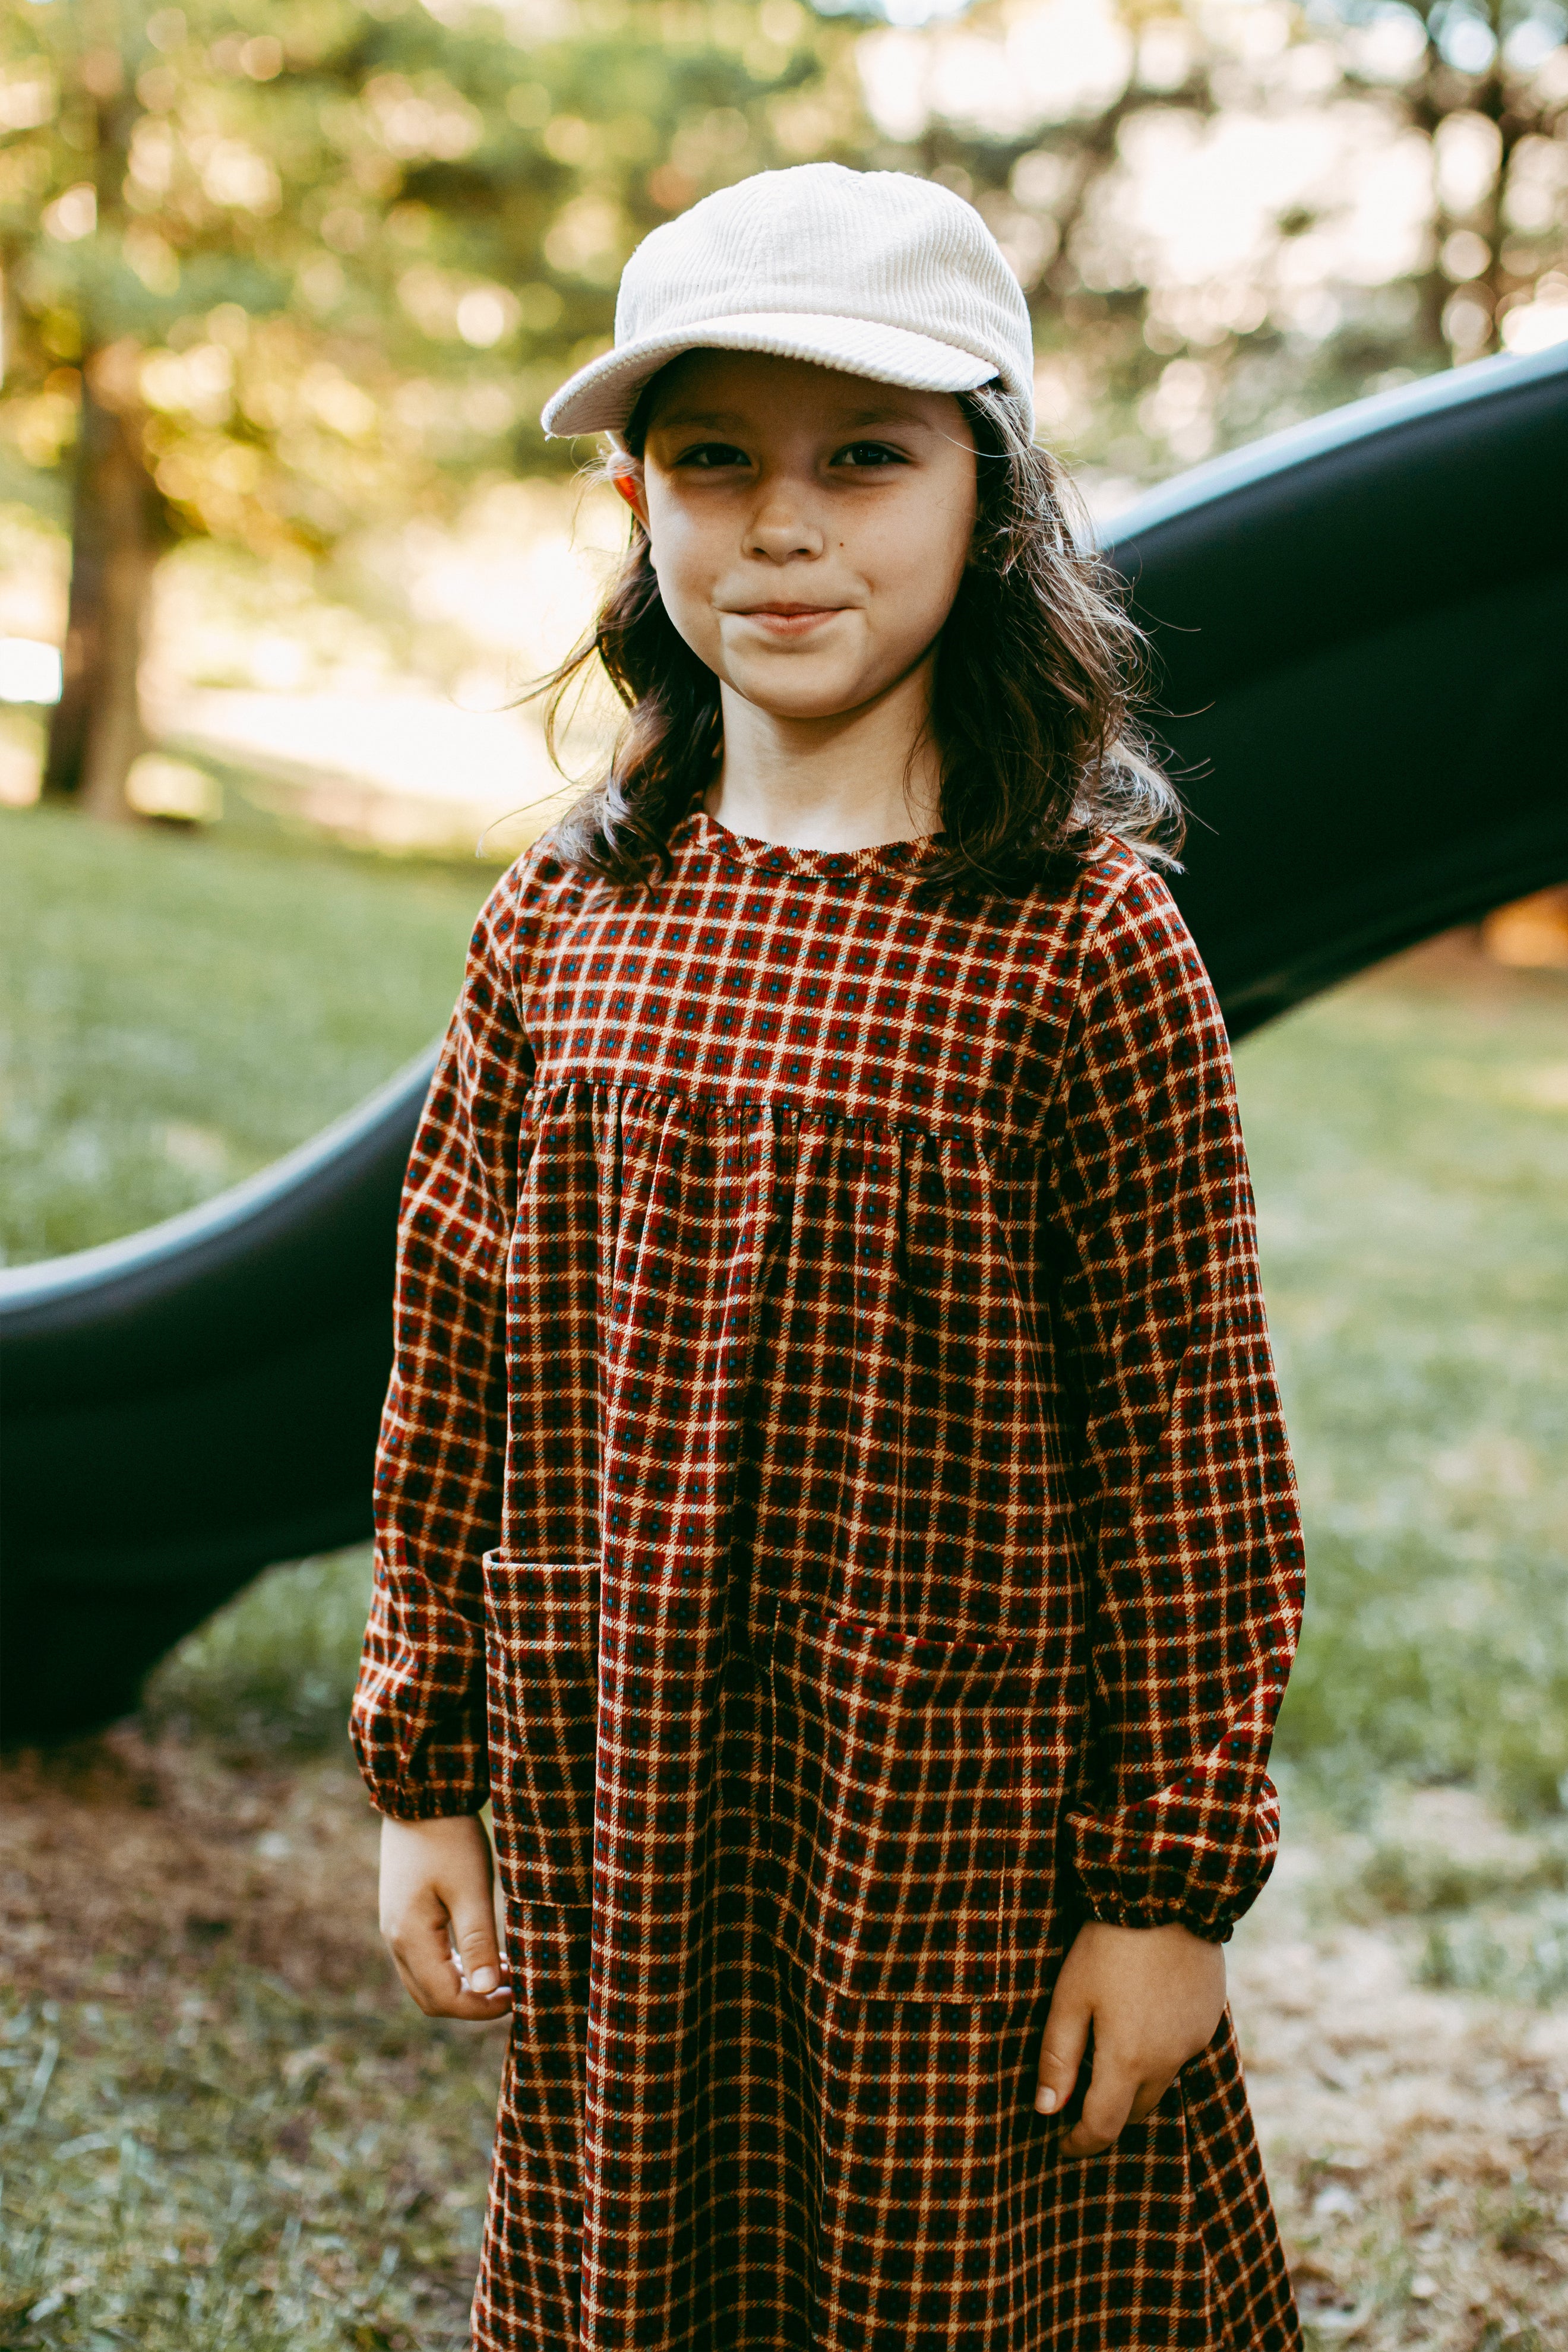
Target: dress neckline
{"points": [[899, 857]]}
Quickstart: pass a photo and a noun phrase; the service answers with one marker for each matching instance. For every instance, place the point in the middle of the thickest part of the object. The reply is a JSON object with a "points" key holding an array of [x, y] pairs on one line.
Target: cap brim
{"points": [[600, 397]]}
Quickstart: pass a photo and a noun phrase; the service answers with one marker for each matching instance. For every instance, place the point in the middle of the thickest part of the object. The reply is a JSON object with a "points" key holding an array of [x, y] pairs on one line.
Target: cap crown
{"points": [[827, 242], [875, 273]]}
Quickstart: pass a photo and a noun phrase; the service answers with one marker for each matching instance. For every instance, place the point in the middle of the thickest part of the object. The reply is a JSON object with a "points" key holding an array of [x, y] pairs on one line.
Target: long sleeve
{"points": [[1184, 1496], [418, 1718]]}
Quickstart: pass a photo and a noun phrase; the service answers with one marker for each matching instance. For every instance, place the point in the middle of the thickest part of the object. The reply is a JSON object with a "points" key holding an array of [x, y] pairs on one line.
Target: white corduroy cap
{"points": [[876, 273]]}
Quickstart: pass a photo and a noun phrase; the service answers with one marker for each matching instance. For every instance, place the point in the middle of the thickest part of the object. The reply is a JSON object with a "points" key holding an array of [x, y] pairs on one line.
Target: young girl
{"points": [[833, 1498]]}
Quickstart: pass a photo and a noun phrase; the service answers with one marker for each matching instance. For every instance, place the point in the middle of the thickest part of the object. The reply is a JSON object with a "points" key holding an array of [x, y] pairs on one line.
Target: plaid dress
{"points": [[832, 1500]]}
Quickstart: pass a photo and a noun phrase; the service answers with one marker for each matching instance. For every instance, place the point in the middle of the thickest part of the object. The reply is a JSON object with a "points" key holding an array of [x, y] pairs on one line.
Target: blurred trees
{"points": [[279, 270], [1229, 214]]}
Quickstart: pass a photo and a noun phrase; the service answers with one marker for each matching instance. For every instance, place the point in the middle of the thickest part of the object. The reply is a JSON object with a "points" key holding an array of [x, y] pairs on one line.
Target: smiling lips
{"points": [[788, 620]]}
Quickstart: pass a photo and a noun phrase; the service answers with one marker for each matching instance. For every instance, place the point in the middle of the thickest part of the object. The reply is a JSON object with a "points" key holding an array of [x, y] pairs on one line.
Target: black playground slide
{"points": [[1363, 627]]}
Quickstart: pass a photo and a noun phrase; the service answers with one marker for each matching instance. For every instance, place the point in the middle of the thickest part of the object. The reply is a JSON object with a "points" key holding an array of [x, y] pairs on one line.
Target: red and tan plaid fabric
{"points": [[833, 1496]]}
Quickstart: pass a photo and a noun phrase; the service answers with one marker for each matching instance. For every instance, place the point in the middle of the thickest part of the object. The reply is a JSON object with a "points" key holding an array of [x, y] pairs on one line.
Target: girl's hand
{"points": [[437, 1916], [1154, 1997]]}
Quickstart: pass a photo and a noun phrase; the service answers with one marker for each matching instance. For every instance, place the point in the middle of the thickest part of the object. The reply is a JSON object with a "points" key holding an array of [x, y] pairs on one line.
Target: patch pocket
{"points": [[892, 1830], [541, 1642]]}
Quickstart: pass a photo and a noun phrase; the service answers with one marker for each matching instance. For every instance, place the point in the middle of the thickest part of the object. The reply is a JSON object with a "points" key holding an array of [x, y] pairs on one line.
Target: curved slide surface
{"points": [[1363, 628]]}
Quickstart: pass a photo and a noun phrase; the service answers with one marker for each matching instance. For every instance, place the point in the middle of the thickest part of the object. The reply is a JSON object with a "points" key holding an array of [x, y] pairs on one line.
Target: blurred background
{"points": [[284, 286]]}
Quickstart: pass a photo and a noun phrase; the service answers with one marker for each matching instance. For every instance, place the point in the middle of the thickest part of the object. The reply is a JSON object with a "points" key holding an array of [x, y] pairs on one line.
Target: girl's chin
{"points": [[791, 689], [801, 710]]}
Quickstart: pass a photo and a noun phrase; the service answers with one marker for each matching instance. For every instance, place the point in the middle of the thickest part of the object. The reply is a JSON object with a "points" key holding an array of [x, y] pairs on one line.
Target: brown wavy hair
{"points": [[1039, 667]]}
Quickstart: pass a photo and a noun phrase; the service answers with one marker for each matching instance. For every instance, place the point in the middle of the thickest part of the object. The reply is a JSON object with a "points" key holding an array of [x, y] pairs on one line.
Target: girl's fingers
{"points": [[437, 1916], [431, 1974], [474, 1942], [1149, 2095], [1105, 2107], [421, 1953], [439, 1973], [478, 2008], [1061, 2052], [1106, 2115]]}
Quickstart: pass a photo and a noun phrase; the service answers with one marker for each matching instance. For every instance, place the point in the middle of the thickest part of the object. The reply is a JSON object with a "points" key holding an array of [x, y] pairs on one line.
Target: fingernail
{"points": [[1045, 2103], [484, 1980]]}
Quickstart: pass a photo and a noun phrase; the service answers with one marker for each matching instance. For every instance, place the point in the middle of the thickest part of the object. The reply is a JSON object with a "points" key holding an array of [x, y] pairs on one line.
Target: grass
{"points": [[201, 2186], [222, 2128], [175, 1010], [1409, 1139], [1521, 1958], [271, 1674]]}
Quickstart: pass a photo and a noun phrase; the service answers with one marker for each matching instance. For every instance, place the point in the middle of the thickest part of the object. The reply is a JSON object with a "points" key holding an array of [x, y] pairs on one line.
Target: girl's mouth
{"points": [[789, 620]]}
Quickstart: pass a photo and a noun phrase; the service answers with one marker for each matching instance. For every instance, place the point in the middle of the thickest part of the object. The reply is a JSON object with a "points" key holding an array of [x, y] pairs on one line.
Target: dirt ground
{"points": [[153, 1899], [226, 2128], [1415, 2136]]}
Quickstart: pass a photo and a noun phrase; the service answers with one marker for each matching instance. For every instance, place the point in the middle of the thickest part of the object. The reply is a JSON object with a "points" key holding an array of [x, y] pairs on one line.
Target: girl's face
{"points": [[809, 529]]}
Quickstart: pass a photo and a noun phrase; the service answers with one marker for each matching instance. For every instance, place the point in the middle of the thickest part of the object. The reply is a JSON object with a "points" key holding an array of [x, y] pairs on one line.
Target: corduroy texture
{"points": [[834, 1414], [875, 273]]}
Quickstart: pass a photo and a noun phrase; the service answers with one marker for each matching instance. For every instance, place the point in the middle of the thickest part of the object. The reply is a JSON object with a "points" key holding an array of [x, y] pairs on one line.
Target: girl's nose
{"points": [[779, 532]]}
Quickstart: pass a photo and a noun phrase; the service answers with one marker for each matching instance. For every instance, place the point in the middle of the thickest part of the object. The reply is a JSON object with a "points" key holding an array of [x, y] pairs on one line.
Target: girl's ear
{"points": [[624, 475]]}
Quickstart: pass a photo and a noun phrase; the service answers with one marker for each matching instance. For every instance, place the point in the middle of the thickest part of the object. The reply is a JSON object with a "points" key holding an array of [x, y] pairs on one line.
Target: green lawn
{"points": [[274, 2169], [1409, 1140], [223, 2127], [176, 1009]]}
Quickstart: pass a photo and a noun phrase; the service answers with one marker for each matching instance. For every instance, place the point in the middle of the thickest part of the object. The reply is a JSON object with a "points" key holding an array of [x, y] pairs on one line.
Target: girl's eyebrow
{"points": [[868, 416]]}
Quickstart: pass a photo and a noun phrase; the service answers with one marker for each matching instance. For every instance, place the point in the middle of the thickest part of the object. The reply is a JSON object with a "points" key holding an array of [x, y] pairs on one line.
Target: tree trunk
{"points": [[96, 731]]}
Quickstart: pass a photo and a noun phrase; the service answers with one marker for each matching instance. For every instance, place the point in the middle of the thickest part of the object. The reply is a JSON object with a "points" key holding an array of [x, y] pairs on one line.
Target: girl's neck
{"points": [[850, 782]]}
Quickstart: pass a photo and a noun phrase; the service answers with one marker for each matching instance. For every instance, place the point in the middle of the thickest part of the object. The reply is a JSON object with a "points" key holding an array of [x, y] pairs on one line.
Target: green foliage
{"points": [[325, 259], [328, 256], [1401, 1879], [1158, 340], [1521, 1957], [174, 1012], [274, 1671], [332, 254], [1409, 1138], [270, 2172], [591, 127]]}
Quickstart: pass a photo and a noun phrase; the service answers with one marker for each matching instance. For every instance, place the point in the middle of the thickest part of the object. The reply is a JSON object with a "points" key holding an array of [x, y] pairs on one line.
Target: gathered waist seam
{"points": [[789, 1118]]}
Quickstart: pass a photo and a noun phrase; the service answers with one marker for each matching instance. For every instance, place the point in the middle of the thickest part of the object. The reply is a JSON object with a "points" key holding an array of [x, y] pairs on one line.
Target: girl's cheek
{"points": [[686, 604], [686, 569]]}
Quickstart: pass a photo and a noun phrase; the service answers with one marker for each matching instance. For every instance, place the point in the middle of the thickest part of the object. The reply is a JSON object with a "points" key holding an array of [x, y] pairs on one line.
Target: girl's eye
{"points": [[709, 454], [865, 454]]}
